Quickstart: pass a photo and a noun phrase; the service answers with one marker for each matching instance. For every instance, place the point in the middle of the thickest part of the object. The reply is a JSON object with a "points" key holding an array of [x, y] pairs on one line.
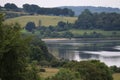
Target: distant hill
{"points": [[79, 9]]}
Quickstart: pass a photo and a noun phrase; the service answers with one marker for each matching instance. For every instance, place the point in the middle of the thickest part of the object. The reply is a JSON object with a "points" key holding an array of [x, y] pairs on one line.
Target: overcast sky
{"points": [[55, 3]]}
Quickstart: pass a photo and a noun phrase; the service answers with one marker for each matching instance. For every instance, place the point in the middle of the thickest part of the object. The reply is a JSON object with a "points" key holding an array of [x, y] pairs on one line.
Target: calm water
{"points": [[107, 51]]}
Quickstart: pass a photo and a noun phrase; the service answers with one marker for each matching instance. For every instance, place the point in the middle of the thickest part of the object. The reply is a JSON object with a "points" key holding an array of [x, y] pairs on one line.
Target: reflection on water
{"points": [[107, 51], [117, 47]]}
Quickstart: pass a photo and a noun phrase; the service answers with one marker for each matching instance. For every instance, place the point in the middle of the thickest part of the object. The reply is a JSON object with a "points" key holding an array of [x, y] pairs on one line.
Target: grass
{"points": [[45, 20], [49, 72], [116, 76], [105, 33]]}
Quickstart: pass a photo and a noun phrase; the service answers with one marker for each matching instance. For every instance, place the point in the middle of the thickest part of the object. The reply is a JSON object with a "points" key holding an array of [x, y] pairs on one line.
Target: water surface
{"points": [[107, 51]]}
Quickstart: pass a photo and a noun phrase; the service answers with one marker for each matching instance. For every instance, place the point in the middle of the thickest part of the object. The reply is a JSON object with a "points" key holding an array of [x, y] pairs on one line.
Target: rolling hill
{"points": [[45, 20]]}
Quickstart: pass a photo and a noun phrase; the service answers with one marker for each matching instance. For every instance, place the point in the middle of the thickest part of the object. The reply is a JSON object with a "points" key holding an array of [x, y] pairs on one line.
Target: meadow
{"points": [[103, 32], [45, 20]]}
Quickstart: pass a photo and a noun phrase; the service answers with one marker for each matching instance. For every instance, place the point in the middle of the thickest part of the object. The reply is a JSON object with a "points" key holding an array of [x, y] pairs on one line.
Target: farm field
{"points": [[45, 20]]}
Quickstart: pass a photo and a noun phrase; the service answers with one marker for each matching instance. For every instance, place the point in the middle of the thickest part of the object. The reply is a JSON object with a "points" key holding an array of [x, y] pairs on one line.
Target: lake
{"points": [[107, 51]]}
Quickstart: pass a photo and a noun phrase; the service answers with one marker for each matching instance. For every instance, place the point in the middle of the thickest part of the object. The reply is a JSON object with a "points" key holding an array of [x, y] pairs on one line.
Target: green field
{"points": [[105, 33], [45, 20]]}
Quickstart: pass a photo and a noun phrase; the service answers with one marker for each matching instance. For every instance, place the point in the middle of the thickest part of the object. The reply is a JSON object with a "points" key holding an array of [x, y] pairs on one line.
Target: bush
{"points": [[115, 69], [91, 70], [30, 26], [42, 70], [65, 74]]}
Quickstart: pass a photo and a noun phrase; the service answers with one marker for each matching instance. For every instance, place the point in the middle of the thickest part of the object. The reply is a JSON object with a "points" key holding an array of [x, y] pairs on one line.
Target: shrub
{"points": [[65, 74], [42, 70]]}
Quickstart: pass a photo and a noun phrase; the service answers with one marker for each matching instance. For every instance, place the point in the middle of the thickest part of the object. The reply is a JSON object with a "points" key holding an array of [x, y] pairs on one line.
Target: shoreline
{"points": [[57, 39]]}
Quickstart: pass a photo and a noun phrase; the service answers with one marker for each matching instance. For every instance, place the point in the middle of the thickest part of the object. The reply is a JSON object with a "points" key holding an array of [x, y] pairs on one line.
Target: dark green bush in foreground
{"points": [[90, 70], [65, 74]]}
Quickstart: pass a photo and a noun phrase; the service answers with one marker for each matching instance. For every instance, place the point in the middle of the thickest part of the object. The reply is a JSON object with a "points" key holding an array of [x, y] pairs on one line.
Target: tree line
{"points": [[35, 9], [103, 21]]}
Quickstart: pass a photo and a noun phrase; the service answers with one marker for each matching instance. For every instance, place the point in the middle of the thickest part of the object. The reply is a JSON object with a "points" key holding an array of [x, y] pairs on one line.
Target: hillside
{"points": [[79, 9], [45, 20]]}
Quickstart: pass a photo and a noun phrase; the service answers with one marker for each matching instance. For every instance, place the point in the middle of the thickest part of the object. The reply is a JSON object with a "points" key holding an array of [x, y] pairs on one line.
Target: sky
{"points": [[56, 3]]}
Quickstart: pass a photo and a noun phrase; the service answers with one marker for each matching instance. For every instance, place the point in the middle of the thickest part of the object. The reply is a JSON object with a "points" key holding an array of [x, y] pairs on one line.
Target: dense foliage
{"points": [[30, 26], [90, 70], [39, 51], [115, 69], [34, 9], [11, 6], [13, 52], [104, 21], [47, 11], [18, 53], [65, 74]]}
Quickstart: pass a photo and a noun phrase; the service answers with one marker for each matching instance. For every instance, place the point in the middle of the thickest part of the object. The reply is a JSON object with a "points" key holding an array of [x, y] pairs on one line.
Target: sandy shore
{"points": [[55, 39]]}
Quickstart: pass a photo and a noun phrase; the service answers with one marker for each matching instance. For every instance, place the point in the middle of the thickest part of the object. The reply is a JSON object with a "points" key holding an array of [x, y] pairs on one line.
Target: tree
{"points": [[31, 8], [65, 74], [61, 26], [0, 8], [39, 23], [13, 52], [47, 11], [11, 6], [85, 20], [32, 74], [65, 11], [104, 21], [91, 70], [39, 51], [67, 34], [30, 26], [115, 69]]}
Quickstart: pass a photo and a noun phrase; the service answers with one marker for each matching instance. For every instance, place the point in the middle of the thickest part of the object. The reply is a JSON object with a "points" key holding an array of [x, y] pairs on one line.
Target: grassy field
{"points": [[116, 76], [49, 72], [45, 20], [105, 33]]}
